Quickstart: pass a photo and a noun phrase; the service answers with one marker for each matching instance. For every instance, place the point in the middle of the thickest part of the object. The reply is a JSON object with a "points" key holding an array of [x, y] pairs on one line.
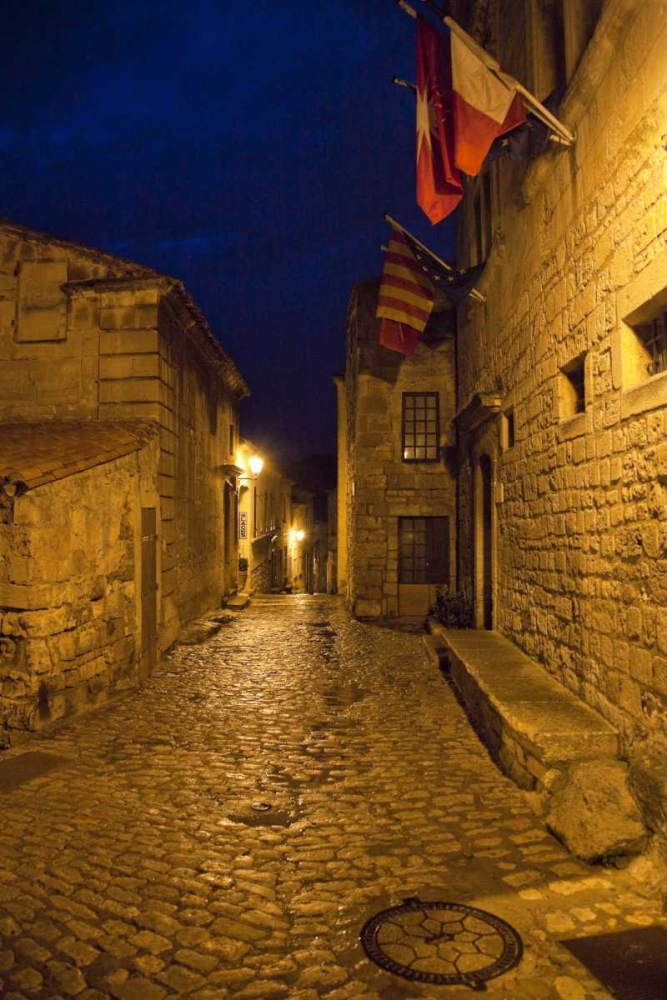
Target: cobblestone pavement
{"points": [[140, 867]]}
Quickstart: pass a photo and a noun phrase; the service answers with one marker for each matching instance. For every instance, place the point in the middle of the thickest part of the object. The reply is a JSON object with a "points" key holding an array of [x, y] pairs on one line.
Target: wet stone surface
{"points": [[228, 830]]}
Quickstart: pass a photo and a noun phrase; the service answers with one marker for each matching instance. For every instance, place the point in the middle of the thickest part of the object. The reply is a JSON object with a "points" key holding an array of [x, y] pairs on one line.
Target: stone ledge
{"points": [[530, 722], [239, 601]]}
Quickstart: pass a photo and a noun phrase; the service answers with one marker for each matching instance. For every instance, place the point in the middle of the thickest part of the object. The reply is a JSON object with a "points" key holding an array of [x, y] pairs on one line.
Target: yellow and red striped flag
{"points": [[405, 299]]}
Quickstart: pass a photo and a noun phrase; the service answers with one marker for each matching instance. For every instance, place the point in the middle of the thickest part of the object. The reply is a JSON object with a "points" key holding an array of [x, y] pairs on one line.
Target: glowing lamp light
{"points": [[256, 464], [299, 535]]}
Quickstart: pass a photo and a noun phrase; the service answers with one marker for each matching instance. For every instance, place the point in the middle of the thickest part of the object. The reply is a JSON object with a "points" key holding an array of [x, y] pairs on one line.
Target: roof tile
{"points": [[37, 453]]}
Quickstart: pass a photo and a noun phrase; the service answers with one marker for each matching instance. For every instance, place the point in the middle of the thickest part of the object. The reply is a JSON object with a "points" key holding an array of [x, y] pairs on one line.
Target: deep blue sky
{"points": [[248, 149]]}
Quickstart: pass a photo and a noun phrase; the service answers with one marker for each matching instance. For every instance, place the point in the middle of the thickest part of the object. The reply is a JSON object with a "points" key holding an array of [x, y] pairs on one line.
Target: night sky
{"points": [[248, 149]]}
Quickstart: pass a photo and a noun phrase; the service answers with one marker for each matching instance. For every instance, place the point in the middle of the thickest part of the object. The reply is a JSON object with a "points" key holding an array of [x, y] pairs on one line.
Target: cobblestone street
{"points": [[146, 864]]}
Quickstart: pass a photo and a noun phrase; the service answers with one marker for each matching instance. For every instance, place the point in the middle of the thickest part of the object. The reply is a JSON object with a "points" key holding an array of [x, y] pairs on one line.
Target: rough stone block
{"points": [[592, 811], [648, 781], [364, 608], [138, 317], [129, 342]]}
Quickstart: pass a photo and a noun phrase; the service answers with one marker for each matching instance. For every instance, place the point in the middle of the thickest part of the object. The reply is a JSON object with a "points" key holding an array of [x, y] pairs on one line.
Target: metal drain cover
{"points": [[444, 944]]}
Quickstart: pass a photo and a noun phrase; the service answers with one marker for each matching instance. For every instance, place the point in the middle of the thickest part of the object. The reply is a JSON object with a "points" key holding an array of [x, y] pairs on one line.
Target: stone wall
{"points": [[380, 486], [579, 250], [85, 334], [201, 565], [48, 352], [265, 510], [70, 617], [260, 573]]}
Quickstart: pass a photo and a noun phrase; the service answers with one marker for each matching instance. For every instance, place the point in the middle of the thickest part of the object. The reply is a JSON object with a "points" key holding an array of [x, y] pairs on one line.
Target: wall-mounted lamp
{"points": [[255, 464]]}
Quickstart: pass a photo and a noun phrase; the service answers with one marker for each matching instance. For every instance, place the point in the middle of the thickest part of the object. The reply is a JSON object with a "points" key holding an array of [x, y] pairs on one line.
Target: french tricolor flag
{"points": [[485, 105]]}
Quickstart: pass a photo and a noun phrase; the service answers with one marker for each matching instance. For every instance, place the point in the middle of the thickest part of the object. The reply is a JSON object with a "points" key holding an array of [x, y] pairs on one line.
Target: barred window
{"points": [[653, 336], [420, 426]]}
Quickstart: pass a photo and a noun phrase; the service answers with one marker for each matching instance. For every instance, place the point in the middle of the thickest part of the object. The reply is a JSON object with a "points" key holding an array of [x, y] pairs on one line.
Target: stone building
{"points": [[301, 541], [396, 487], [119, 430], [320, 541], [562, 374], [332, 542], [265, 515]]}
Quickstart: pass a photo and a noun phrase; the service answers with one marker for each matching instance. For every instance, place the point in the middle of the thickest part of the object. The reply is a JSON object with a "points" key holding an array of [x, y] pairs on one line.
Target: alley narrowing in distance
{"points": [[226, 830]]}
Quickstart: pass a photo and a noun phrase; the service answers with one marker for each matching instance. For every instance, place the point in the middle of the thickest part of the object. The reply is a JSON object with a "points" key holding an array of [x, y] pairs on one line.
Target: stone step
{"points": [[238, 602], [529, 721]]}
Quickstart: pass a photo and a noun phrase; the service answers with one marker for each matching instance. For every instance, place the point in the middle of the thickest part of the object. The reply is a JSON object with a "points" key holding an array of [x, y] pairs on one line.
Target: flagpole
{"points": [[400, 82], [536, 106], [474, 294], [493, 66]]}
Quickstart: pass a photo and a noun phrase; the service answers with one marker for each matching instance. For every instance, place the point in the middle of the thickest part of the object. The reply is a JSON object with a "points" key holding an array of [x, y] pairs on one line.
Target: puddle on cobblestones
{"points": [[282, 779], [202, 631], [265, 814], [24, 767], [345, 693]]}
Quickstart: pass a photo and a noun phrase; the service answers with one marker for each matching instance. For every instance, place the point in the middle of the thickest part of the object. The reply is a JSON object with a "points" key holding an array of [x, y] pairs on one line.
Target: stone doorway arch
{"points": [[484, 538]]}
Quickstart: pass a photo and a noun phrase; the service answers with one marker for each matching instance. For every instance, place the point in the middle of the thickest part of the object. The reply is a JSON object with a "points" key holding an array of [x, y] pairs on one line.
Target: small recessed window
{"points": [[573, 388], [508, 428], [231, 439], [420, 426]]}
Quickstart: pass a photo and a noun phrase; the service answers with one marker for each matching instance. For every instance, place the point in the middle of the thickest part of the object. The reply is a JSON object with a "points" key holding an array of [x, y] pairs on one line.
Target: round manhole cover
{"points": [[444, 944]]}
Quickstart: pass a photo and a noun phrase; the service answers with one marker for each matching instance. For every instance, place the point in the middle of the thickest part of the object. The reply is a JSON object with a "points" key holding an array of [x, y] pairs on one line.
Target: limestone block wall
{"points": [[69, 601], [153, 365], [580, 249], [199, 435], [48, 357], [265, 507], [85, 334], [260, 573], [381, 487]]}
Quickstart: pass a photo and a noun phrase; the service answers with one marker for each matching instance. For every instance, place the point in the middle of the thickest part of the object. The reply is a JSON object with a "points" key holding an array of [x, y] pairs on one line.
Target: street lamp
{"points": [[256, 464]]}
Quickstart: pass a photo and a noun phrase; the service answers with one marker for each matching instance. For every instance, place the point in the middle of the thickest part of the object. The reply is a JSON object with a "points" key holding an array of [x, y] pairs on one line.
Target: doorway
{"points": [[484, 544], [230, 530], [423, 562], [148, 591]]}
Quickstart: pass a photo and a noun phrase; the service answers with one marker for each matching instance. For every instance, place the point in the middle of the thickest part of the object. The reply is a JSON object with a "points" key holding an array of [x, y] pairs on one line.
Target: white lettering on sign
{"points": [[243, 524]]}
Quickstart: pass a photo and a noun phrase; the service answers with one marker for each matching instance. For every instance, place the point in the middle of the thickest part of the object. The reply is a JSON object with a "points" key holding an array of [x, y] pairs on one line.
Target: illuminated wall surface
{"points": [[109, 541], [571, 343]]}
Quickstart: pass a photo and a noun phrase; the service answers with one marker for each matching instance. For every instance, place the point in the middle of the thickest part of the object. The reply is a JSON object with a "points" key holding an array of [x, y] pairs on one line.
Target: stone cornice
{"points": [[129, 283], [186, 310], [482, 407]]}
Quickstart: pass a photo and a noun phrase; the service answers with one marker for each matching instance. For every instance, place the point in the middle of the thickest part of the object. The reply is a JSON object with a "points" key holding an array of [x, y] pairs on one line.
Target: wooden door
{"points": [[148, 590], [423, 562]]}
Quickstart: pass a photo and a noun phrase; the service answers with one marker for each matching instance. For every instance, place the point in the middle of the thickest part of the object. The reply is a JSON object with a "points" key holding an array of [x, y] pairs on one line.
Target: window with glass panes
{"points": [[420, 426], [423, 549]]}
